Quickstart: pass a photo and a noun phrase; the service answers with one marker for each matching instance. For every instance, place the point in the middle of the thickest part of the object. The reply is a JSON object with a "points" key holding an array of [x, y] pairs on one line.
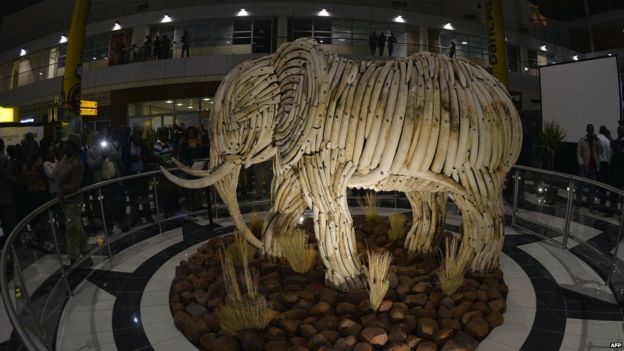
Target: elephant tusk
{"points": [[203, 182], [186, 169]]}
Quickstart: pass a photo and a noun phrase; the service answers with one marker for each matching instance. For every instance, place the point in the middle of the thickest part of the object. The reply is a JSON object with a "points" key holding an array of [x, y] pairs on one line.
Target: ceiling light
{"points": [[575, 57], [242, 12], [94, 58], [448, 26], [206, 99], [169, 101], [464, 43], [63, 39], [610, 54], [526, 68], [323, 13], [22, 52], [117, 26], [543, 48], [166, 19], [399, 19], [179, 104], [189, 106]]}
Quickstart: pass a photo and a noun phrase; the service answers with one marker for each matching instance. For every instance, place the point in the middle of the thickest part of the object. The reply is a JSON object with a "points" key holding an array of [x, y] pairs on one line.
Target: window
{"points": [[242, 32], [321, 30], [212, 33], [163, 113], [513, 58], [533, 59], [96, 47]]}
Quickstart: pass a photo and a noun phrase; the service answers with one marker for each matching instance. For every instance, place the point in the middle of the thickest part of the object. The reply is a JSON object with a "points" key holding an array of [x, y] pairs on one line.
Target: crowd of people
{"points": [[156, 48], [379, 41], [601, 157], [32, 173]]}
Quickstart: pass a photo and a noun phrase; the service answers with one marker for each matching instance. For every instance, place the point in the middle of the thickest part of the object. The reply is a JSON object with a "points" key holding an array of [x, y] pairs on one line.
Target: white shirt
{"points": [[48, 169], [605, 155]]}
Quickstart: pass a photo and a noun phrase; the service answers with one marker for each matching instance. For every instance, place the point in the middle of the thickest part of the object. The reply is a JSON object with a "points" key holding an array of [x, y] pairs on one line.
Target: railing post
{"points": [[158, 219], [568, 214], [101, 201], [514, 210], [617, 246], [58, 252]]}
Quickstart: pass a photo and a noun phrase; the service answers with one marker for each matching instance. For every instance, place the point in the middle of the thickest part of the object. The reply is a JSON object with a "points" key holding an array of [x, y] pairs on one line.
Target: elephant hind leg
{"points": [[429, 215], [325, 194]]}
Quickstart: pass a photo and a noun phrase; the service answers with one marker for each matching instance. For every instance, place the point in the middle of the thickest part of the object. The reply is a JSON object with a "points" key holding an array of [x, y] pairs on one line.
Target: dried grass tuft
{"points": [[244, 308], [370, 207], [294, 246], [256, 224], [453, 267], [377, 276], [240, 248], [397, 226]]}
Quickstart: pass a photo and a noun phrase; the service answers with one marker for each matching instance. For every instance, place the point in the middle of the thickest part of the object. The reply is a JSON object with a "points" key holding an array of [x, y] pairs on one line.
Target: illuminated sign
{"points": [[7, 114], [88, 104], [27, 120], [88, 111]]}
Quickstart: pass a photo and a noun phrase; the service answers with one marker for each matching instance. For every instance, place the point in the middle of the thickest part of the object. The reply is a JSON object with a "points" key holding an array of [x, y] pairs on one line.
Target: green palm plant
{"points": [[551, 136]]}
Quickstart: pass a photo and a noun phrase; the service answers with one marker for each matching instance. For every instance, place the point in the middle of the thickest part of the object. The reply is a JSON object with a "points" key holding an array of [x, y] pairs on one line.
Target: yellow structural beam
{"points": [[496, 34]]}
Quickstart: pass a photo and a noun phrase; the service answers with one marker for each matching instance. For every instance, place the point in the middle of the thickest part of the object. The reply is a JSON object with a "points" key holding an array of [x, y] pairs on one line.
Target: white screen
{"points": [[575, 94]]}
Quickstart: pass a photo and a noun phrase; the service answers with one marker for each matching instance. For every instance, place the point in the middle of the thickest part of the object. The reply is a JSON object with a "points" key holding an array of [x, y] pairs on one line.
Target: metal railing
{"points": [[35, 309]]}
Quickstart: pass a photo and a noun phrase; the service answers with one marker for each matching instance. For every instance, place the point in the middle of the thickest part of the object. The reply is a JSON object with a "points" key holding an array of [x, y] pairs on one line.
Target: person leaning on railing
{"points": [[68, 176]]}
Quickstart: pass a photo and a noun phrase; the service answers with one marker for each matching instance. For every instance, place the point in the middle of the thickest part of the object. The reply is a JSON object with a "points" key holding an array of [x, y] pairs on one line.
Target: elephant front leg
{"points": [[428, 217], [324, 190]]}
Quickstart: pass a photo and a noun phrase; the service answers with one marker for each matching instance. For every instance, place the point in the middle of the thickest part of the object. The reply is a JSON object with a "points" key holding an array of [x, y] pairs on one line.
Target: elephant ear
{"points": [[302, 72]]}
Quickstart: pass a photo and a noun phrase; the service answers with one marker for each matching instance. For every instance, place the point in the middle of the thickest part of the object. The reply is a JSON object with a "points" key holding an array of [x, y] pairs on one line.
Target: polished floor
{"points": [[557, 301]]}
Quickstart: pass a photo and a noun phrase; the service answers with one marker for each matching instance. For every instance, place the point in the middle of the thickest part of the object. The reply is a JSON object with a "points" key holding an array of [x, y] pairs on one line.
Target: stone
{"points": [[196, 310], [212, 322], [460, 342], [296, 314], [450, 323], [345, 343], [329, 296], [299, 348], [499, 306], [298, 341], [374, 336], [385, 306], [364, 306], [494, 293], [303, 304], [393, 279], [363, 346], [201, 297], [310, 320], [448, 302], [436, 295], [277, 345], [327, 323], [225, 343], [348, 327], [289, 326], [397, 347], [461, 309], [307, 330], [444, 312], [330, 335], [444, 335], [269, 287], [398, 313], [422, 288], [176, 306], [411, 322], [187, 297], [322, 308], [491, 281], [482, 296], [469, 315], [355, 296], [295, 279], [179, 318], [206, 341], [495, 319], [477, 327], [398, 333], [469, 296], [273, 333], [415, 300], [289, 298], [307, 296], [403, 289], [412, 341], [482, 307], [315, 288], [318, 341], [427, 346], [344, 308], [182, 286], [427, 328], [251, 340]]}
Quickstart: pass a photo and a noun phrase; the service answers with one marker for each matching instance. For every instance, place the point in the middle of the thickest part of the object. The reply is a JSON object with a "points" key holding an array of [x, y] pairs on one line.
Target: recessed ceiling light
{"points": [[189, 106], [323, 13], [117, 26], [448, 26], [242, 12], [543, 48], [575, 57], [399, 19], [179, 104], [165, 19], [464, 42], [63, 39], [22, 52], [94, 58], [610, 54], [206, 99], [526, 68], [169, 101]]}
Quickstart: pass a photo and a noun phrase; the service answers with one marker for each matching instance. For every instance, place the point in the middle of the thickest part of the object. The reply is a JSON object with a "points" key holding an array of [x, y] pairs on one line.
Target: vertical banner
{"points": [[496, 37], [73, 64]]}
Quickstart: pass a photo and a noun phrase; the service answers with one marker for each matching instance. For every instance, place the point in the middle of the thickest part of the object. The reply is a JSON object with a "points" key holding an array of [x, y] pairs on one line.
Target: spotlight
{"points": [[242, 12], [575, 58], [448, 26], [117, 26], [94, 58], [166, 19], [610, 54], [206, 99], [169, 101], [540, 190], [104, 143], [526, 68], [179, 104], [189, 106], [301, 219], [63, 39], [22, 52], [543, 48], [399, 19], [323, 13], [464, 43]]}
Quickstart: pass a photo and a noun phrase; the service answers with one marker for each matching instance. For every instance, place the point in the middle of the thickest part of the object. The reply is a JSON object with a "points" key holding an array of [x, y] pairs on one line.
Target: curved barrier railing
{"points": [[572, 212]]}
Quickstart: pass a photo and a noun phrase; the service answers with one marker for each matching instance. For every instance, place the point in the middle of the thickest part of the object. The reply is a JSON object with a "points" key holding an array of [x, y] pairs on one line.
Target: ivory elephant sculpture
{"points": [[427, 125]]}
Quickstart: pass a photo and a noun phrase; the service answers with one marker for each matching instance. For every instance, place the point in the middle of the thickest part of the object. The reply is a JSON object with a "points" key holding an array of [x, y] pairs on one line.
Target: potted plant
{"points": [[550, 137]]}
